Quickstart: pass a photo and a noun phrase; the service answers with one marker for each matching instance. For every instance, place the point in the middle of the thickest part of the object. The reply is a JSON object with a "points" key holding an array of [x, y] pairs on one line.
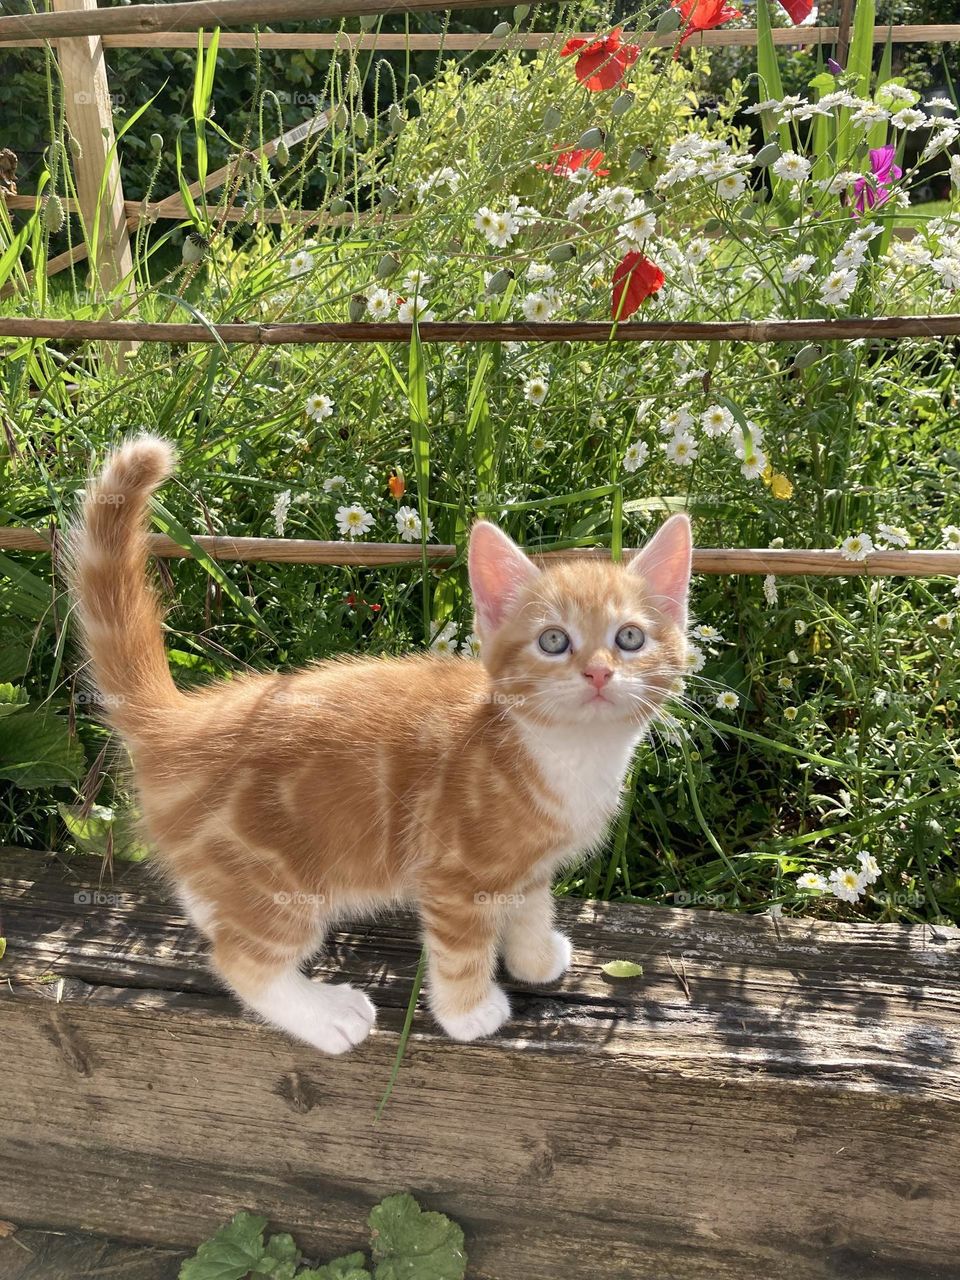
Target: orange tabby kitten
{"points": [[279, 804]]}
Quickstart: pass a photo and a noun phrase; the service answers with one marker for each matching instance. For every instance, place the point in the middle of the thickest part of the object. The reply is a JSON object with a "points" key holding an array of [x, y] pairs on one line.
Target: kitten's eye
{"points": [[554, 641], [630, 639]]}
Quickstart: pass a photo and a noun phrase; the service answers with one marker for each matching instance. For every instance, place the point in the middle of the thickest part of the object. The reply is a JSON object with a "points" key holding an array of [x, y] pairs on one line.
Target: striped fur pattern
{"points": [[282, 803]]}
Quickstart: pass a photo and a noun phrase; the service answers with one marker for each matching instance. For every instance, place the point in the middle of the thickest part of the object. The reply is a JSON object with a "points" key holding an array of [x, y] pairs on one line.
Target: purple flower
{"points": [[834, 67], [869, 192], [881, 162]]}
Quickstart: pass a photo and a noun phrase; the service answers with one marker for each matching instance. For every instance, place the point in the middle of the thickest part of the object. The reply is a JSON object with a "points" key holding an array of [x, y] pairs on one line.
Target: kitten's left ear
{"points": [[498, 571], [664, 564]]}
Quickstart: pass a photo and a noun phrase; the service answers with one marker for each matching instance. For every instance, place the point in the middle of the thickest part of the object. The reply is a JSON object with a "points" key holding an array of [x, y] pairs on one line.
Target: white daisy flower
{"points": [[445, 639], [770, 593], [682, 450], [415, 308], [869, 868], [409, 526], [790, 713], [300, 264], [717, 421], [318, 407], [579, 206], [943, 621], [279, 511], [731, 185], [892, 535], [416, 280], [379, 304], [838, 286], [846, 884], [727, 701], [948, 270], [697, 251], [870, 113], [695, 659], [676, 422], [810, 881], [540, 273], [792, 167], [539, 307], [705, 632], [851, 255], [334, 482], [909, 118], [637, 227], [636, 456], [798, 268], [353, 521], [951, 537], [470, 646], [535, 389], [857, 547], [755, 465]]}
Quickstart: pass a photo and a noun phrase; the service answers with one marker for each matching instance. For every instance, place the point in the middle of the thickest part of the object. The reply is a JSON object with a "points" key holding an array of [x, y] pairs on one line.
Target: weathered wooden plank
{"points": [[772, 1097]]}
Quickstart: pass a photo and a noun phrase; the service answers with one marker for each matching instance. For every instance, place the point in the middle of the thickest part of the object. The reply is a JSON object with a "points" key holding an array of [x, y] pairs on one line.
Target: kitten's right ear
{"points": [[498, 572]]}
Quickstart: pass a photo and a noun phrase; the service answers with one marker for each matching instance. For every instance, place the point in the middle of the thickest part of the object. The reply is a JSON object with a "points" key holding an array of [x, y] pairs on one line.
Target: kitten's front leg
{"points": [[461, 936], [533, 950]]}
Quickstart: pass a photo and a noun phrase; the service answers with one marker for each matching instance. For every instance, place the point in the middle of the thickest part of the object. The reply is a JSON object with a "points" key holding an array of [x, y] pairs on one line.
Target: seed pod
{"points": [[669, 21], [552, 120], [387, 266], [500, 30], [361, 126], [282, 154], [389, 197], [622, 104], [368, 21], [340, 206], [766, 155], [499, 281], [591, 139], [357, 308], [806, 356], [562, 252], [195, 247], [53, 215]]}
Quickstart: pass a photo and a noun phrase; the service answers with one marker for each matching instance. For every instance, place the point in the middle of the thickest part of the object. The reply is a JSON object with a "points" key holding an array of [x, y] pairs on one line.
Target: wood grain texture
{"points": [[307, 334], [780, 561], [770, 1098], [469, 42]]}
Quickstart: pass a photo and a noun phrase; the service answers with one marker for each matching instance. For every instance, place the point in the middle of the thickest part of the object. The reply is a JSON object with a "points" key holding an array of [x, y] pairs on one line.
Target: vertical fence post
{"points": [[844, 24], [88, 107]]}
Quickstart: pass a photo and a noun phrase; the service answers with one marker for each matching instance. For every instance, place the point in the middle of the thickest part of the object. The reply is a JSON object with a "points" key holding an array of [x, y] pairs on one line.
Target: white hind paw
{"points": [[482, 1020]]}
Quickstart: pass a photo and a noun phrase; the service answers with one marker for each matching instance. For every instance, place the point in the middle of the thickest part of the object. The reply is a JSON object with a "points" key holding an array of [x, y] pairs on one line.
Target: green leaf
{"points": [[622, 969], [231, 1254], [3, 952], [37, 750], [351, 1267], [768, 69], [409, 1244], [12, 698]]}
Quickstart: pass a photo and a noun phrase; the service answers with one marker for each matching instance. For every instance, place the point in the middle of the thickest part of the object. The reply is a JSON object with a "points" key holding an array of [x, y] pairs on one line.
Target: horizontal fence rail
{"points": [[781, 561], [284, 334], [468, 42]]}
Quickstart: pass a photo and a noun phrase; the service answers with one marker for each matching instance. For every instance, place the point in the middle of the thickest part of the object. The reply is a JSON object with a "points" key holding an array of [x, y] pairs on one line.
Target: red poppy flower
{"points": [[568, 163], [704, 15], [797, 10], [397, 485], [635, 279], [603, 63]]}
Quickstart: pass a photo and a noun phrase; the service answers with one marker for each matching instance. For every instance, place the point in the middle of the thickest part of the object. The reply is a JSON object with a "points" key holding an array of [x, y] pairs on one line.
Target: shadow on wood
{"points": [[770, 1098]]}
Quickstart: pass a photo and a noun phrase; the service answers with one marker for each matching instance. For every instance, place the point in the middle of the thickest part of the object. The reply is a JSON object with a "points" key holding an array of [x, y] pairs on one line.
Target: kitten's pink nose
{"points": [[597, 675]]}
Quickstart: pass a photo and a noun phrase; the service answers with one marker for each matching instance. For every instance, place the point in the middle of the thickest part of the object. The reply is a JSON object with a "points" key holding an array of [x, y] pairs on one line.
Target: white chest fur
{"points": [[585, 769]]}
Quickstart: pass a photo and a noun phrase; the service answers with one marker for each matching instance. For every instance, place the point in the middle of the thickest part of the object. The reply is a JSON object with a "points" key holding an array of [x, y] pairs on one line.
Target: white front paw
{"points": [[343, 1018], [541, 959], [482, 1020]]}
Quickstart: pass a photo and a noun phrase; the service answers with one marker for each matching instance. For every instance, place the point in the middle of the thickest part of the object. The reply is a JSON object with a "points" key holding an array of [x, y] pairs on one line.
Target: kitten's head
{"points": [[582, 641]]}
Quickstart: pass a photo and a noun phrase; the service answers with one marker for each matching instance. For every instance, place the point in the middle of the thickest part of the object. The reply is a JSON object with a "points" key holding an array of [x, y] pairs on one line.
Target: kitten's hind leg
{"points": [[333, 1017]]}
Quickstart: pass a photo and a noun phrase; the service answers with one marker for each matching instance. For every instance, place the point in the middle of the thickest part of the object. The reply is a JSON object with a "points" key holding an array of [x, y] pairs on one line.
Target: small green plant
{"points": [[406, 1243]]}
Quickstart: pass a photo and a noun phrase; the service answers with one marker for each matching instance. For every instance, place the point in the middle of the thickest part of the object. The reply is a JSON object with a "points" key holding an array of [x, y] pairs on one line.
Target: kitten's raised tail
{"points": [[106, 564]]}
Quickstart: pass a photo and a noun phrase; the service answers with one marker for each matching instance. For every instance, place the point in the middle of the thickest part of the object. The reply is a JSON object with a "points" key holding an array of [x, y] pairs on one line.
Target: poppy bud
{"points": [[396, 120], [340, 205], [368, 21], [591, 139], [53, 215], [766, 155], [195, 247], [562, 252], [361, 126], [669, 21], [156, 142], [622, 104], [637, 159], [806, 356], [357, 308], [389, 197], [520, 12], [282, 154], [552, 120], [500, 30], [387, 266], [75, 148], [461, 117], [499, 281]]}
